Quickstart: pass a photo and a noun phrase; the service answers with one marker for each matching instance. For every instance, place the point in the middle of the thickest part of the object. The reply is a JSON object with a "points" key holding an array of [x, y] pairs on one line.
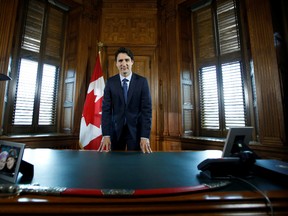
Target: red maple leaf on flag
{"points": [[92, 110]]}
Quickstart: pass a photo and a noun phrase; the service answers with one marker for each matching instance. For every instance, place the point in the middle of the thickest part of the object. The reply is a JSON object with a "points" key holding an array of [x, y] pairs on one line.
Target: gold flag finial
{"points": [[100, 45]]}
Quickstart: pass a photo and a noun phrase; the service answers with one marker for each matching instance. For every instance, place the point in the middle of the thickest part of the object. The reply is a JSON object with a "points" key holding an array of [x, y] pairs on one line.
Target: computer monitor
{"points": [[237, 141]]}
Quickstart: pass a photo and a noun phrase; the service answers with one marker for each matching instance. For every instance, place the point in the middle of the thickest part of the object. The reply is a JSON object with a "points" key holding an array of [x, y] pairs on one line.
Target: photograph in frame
{"points": [[11, 154]]}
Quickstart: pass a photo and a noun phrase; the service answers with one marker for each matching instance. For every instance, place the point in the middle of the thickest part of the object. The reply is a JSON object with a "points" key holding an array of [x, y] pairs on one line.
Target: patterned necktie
{"points": [[125, 89]]}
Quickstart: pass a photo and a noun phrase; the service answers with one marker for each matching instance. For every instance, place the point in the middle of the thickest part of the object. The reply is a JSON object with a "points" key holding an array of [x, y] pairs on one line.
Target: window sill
{"points": [[23, 136], [57, 140], [213, 139], [202, 143]]}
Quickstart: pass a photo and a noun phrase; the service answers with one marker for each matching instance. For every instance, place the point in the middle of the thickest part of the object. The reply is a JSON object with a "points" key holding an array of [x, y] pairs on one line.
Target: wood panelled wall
{"points": [[157, 32], [269, 99], [7, 23]]}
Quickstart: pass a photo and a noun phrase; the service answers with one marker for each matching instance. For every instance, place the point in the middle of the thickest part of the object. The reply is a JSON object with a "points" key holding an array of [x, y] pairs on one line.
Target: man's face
{"points": [[124, 64]]}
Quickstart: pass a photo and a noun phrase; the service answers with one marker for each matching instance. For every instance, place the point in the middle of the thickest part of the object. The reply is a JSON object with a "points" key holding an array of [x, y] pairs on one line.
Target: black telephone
{"points": [[226, 167]]}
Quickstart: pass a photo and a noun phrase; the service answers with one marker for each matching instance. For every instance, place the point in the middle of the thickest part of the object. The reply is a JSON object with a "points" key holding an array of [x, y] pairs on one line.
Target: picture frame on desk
{"points": [[11, 154], [237, 141]]}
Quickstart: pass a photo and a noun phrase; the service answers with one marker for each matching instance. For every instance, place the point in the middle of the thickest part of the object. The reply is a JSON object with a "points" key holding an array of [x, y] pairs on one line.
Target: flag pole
{"points": [[100, 46]]}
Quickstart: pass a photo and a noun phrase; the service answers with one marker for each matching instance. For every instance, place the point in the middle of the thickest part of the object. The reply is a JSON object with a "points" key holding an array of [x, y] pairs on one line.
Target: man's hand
{"points": [[145, 145], [105, 144]]}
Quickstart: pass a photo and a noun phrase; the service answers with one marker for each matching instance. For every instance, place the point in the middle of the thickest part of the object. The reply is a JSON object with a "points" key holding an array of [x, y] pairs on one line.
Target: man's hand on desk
{"points": [[105, 145], [145, 145]]}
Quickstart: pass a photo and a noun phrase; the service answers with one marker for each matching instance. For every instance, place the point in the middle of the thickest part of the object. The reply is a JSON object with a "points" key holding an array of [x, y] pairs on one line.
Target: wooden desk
{"points": [[126, 170]]}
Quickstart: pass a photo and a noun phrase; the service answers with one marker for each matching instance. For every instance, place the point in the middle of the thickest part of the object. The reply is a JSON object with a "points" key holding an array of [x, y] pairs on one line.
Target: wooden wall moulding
{"points": [[128, 4]]}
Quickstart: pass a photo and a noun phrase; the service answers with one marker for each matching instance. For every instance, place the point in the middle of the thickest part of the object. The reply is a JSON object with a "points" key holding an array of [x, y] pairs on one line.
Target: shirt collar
{"points": [[128, 78]]}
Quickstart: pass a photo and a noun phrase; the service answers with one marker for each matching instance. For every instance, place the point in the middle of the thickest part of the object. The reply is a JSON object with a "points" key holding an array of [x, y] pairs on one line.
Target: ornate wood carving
{"points": [[127, 22], [129, 28]]}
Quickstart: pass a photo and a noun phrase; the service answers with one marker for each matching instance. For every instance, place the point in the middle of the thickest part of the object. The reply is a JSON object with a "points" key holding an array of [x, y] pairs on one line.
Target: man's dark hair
{"points": [[124, 50]]}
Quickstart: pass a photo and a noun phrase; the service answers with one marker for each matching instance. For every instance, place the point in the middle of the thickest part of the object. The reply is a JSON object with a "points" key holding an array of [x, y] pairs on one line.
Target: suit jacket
{"points": [[137, 112]]}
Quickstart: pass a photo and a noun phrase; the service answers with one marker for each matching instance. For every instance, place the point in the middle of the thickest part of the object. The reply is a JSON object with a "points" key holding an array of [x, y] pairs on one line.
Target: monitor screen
{"points": [[237, 141]]}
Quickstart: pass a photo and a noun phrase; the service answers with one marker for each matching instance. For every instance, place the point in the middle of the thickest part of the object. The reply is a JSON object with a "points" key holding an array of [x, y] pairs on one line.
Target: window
{"points": [[25, 96], [33, 102], [219, 65]]}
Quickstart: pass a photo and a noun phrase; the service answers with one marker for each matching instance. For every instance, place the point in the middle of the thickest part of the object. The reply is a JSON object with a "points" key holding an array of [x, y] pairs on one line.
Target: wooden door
{"points": [[141, 66]]}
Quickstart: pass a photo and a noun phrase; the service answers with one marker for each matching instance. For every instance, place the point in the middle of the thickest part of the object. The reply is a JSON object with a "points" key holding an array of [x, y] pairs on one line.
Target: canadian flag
{"points": [[90, 129]]}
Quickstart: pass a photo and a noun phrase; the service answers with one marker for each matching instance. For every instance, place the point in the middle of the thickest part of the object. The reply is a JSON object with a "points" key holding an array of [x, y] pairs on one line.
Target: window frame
{"points": [[42, 59], [219, 60]]}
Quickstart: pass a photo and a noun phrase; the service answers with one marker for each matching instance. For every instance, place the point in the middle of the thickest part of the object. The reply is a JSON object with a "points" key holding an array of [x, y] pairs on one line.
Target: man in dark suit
{"points": [[126, 118]]}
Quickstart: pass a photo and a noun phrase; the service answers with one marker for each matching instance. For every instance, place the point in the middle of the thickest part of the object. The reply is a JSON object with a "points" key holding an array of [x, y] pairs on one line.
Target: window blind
{"points": [[228, 29], [26, 86], [233, 94], [54, 33], [48, 99], [204, 35], [209, 104], [33, 26], [221, 81]]}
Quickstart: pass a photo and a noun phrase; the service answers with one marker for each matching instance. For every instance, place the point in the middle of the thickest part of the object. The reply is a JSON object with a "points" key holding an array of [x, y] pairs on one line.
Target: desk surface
{"points": [[134, 170], [120, 170]]}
